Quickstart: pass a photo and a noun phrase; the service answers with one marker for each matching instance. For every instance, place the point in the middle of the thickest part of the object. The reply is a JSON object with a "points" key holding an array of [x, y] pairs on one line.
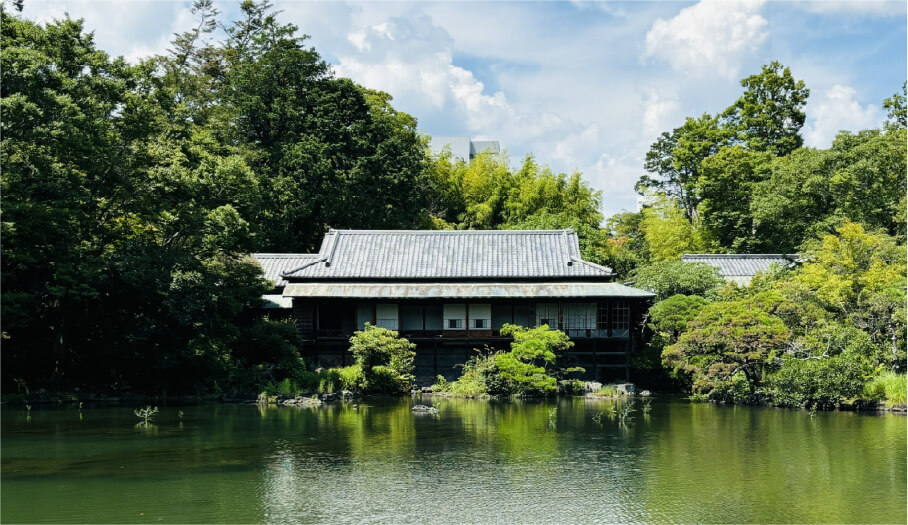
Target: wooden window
{"points": [[386, 316], [455, 316], [621, 319], [480, 316], [547, 313]]}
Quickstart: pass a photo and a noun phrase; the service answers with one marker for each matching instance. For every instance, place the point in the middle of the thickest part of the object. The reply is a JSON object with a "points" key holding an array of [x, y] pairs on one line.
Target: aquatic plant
{"points": [[624, 413], [553, 418], [147, 414], [647, 407]]}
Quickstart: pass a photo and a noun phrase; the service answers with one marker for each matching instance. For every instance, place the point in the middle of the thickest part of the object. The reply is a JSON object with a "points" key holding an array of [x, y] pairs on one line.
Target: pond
{"points": [[568, 460]]}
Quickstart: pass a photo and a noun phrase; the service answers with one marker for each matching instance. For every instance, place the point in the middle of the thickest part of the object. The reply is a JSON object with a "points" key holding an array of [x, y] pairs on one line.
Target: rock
{"points": [[302, 402], [592, 386], [424, 409], [645, 393], [427, 390], [346, 394], [625, 388], [328, 397]]}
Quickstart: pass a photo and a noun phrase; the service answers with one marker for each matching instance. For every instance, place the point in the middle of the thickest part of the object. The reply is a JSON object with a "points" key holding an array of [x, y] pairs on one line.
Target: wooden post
{"points": [[560, 316], [466, 314]]}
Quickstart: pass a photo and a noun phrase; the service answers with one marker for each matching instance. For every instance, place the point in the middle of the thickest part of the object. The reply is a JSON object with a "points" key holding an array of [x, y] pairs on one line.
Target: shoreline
{"points": [[314, 400]]}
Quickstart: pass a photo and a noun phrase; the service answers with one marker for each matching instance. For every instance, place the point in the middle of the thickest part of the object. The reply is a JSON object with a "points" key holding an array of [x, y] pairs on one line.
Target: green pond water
{"points": [[474, 461]]}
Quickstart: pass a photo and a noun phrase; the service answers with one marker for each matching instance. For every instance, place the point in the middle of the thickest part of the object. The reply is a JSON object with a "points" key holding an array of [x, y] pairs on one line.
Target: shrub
{"points": [[570, 387], [376, 347], [351, 377], [822, 382], [528, 369], [889, 387]]}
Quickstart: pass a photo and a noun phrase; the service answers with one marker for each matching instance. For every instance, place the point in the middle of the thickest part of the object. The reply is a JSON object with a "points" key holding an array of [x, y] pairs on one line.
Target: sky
{"points": [[582, 86]]}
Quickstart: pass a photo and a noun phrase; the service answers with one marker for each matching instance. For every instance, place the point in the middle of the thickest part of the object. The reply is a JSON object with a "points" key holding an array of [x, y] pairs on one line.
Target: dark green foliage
{"points": [[675, 160], [328, 151], [132, 194], [669, 278], [667, 321], [821, 382], [730, 345], [726, 188], [123, 243], [769, 115]]}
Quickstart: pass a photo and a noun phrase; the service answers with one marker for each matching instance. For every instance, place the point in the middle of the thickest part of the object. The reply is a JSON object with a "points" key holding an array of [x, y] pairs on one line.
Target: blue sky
{"points": [[584, 86]]}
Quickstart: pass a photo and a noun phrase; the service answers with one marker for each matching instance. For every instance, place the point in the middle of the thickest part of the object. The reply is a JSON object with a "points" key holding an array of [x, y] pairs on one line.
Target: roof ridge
{"points": [[448, 232], [276, 255], [742, 255]]}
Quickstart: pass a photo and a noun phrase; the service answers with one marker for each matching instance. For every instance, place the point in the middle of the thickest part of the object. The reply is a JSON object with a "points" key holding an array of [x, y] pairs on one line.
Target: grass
{"points": [[888, 387], [466, 386], [609, 391], [324, 382]]}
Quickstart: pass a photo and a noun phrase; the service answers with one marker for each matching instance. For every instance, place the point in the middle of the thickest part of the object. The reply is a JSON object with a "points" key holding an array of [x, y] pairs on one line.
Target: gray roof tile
{"points": [[448, 254], [274, 264], [740, 265]]}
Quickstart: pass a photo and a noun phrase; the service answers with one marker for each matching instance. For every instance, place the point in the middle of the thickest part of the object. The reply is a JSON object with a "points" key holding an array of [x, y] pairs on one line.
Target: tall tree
{"points": [[726, 187], [675, 159], [769, 115], [897, 116], [328, 151]]}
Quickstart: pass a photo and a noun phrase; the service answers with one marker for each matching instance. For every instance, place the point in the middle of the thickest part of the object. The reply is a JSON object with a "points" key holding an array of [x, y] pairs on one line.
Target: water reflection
{"points": [[475, 461]]}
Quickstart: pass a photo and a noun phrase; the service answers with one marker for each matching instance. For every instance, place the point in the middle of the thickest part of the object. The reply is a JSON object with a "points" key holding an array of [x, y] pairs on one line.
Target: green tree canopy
{"points": [[769, 115], [668, 278]]}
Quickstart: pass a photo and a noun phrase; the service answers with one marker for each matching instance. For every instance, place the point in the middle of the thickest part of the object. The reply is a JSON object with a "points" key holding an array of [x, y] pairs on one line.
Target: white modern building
{"points": [[464, 148]]}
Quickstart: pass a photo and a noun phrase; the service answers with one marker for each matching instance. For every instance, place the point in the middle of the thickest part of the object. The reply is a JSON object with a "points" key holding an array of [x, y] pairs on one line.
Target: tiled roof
{"points": [[448, 255], [740, 267], [274, 264], [484, 290]]}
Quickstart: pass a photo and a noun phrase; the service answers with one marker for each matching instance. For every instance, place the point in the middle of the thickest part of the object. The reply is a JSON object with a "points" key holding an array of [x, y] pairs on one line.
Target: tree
{"points": [[327, 151], [860, 277], [866, 168], [769, 115], [668, 278], [726, 187], [379, 351], [728, 340], [895, 109], [795, 202], [487, 193], [667, 320], [675, 159], [534, 350], [668, 233]]}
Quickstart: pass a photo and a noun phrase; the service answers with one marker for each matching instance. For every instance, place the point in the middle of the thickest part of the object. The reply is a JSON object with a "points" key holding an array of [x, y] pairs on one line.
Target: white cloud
{"points": [[134, 30], [712, 35], [852, 7], [412, 58], [838, 110], [659, 113]]}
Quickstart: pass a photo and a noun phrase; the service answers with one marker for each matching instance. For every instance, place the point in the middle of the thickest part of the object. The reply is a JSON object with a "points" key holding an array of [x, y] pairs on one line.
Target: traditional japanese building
{"points": [[740, 268], [450, 292]]}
